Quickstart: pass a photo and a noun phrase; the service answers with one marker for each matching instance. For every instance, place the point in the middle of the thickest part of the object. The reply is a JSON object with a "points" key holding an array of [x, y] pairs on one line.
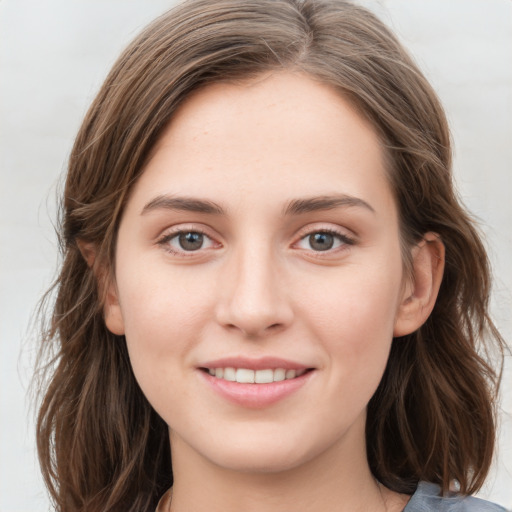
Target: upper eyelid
{"points": [[186, 227], [325, 228]]}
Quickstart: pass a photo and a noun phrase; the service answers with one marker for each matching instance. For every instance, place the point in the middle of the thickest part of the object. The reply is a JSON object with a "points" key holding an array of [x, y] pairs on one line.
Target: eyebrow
{"points": [[187, 204], [312, 204], [294, 207]]}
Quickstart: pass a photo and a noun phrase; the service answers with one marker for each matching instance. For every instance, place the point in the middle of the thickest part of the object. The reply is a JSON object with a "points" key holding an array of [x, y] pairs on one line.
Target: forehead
{"points": [[281, 133], [284, 104]]}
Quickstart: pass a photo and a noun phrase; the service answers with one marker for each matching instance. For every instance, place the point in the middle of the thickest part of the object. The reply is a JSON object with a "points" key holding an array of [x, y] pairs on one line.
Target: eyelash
{"points": [[341, 237], [165, 240]]}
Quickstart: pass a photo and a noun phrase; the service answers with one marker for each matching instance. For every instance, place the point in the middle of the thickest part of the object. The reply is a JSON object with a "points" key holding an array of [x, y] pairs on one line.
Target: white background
{"points": [[53, 57]]}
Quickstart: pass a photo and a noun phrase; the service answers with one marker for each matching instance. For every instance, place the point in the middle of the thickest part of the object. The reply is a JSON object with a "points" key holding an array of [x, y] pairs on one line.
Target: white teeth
{"points": [[230, 374], [263, 376], [290, 374], [279, 374], [246, 376]]}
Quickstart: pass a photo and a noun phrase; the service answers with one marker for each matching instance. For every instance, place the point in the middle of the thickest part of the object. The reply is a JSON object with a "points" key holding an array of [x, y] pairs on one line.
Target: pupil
{"points": [[321, 241], [191, 241]]}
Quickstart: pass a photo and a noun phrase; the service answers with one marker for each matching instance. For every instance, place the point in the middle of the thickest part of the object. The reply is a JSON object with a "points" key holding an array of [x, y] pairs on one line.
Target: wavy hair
{"points": [[101, 445]]}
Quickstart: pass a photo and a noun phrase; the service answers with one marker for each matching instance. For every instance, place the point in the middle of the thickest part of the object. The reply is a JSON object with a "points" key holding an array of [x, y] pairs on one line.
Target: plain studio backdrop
{"points": [[54, 55]]}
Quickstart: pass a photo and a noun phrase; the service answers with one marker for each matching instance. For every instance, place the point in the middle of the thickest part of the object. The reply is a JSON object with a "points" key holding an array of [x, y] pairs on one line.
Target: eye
{"points": [[186, 241], [324, 240], [190, 241]]}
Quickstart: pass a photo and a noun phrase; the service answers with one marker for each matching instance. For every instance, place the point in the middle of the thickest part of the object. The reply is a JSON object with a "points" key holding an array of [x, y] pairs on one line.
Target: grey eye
{"points": [[191, 241], [321, 241], [182, 242]]}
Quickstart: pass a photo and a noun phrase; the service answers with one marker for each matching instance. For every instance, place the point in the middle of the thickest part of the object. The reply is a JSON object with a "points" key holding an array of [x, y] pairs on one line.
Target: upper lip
{"points": [[261, 363]]}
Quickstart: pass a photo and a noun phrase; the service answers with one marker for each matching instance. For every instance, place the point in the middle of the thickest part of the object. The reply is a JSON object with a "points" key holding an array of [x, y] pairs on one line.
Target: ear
{"points": [[422, 287], [88, 251], [106, 288]]}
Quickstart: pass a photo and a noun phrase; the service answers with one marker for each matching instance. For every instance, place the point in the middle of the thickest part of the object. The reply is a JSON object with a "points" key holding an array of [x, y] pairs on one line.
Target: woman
{"points": [[267, 277]]}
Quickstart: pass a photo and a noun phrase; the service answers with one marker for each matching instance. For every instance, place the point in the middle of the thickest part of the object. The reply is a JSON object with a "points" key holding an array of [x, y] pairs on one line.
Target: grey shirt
{"points": [[427, 499]]}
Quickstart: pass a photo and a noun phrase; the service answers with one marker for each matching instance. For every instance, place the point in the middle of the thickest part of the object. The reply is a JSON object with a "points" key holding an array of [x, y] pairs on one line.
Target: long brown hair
{"points": [[101, 445]]}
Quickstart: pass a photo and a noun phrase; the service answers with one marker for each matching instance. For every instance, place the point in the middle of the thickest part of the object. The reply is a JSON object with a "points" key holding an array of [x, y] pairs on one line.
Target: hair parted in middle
{"points": [[101, 445]]}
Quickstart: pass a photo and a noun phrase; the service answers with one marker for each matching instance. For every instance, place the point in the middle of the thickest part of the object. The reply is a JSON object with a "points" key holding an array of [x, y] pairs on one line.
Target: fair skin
{"points": [[263, 235]]}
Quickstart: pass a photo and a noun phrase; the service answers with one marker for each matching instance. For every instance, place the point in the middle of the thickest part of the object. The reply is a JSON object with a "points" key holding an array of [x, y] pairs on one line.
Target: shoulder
{"points": [[427, 499]]}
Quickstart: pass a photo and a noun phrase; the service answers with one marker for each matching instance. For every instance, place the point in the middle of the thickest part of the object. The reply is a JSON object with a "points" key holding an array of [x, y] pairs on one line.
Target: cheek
{"points": [[360, 299], [164, 315], [155, 296], [354, 318]]}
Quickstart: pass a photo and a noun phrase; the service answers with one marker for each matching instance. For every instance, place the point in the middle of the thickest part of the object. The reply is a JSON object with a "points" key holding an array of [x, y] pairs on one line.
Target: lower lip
{"points": [[256, 396]]}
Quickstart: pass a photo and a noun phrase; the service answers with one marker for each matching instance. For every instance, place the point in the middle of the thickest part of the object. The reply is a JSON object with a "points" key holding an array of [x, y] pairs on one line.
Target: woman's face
{"points": [[261, 242]]}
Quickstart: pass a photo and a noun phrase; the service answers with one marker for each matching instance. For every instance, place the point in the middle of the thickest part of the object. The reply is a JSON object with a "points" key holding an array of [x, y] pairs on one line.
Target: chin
{"points": [[271, 461], [271, 454]]}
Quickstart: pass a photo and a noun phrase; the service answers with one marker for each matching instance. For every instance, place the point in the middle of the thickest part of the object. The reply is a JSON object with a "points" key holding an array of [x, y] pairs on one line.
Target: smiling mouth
{"points": [[248, 376]]}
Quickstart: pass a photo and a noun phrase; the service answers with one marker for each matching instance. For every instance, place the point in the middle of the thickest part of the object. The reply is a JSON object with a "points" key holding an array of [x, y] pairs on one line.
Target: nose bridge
{"points": [[254, 298]]}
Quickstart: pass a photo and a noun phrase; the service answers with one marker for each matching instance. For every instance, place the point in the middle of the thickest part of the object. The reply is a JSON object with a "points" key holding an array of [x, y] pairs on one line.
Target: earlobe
{"points": [[106, 288], [422, 287]]}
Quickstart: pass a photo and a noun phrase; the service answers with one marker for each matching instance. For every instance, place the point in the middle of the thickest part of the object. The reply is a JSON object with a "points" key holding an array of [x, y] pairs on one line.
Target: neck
{"points": [[337, 480]]}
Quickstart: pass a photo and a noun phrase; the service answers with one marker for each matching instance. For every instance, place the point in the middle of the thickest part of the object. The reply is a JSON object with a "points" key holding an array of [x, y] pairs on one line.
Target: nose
{"points": [[252, 295]]}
